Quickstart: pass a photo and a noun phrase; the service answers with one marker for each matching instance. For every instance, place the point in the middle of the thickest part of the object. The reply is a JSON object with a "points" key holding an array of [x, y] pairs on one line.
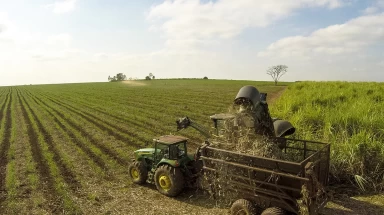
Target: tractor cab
{"points": [[170, 149]]}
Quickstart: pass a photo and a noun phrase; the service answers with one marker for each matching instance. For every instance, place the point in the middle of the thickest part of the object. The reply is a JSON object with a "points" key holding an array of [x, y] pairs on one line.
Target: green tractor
{"points": [[168, 165]]}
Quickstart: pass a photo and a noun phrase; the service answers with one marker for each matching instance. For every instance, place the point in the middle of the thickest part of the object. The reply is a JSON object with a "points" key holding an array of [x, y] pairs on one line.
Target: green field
{"points": [[348, 115], [66, 148]]}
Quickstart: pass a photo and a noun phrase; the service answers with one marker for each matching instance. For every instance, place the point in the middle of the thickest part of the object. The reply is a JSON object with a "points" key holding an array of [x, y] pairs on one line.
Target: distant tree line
{"points": [[150, 76], [117, 77]]}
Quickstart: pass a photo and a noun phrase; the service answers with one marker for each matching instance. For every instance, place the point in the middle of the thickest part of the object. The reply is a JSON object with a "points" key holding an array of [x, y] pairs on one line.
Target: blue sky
{"points": [[66, 41]]}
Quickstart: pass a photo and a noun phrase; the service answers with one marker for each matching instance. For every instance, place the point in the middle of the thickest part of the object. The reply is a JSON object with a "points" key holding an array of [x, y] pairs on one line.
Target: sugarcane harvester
{"points": [[251, 111], [259, 184]]}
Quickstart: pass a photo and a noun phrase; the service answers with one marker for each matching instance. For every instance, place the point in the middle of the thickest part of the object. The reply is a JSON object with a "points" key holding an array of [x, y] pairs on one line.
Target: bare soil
{"points": [[134, 83]]}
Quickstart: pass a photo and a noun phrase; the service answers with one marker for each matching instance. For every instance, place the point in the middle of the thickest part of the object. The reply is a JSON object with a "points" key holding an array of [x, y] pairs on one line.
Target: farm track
{"points": [[78, 142], [88, 136], [48, 185], [5, 144], [68, 175]]}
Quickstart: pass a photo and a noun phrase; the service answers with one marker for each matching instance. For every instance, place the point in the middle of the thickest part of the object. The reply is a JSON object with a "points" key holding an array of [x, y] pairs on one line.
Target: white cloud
{"points": [[6, 29], [380, 3], [63, 6], [4, 22], [349, 37], [101, 55], [377, 6], [3, 27], [370, 10], [186, 21], [63, 39], [58, 54], [17, 44]]}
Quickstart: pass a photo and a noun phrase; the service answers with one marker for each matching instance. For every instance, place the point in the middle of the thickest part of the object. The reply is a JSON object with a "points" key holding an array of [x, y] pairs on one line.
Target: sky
{"points": [[71, 41]]}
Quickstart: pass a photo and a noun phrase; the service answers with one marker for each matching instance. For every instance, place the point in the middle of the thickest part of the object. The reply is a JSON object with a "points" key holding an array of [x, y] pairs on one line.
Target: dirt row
{"points": [[136, 120], [5, 144], [84, 134], [48, 185]]}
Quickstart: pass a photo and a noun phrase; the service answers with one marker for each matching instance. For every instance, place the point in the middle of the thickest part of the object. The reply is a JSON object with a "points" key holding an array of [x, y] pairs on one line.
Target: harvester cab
{"points": [[250, 110]]}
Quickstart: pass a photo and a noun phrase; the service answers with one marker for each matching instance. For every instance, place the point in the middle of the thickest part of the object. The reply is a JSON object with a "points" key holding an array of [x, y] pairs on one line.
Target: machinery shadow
{"points": [[197, 197], [202, 198], [351, 206]]}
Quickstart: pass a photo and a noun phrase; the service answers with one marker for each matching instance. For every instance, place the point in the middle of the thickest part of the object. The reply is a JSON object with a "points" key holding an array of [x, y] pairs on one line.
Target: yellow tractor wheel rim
{"points": [[165, 182], [134, 174]]}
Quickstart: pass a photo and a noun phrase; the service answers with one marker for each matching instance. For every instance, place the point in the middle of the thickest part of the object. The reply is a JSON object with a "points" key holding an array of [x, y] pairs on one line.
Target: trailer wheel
{"points": [[138, 172], [169, 180], [243, 207], [274, 211]]}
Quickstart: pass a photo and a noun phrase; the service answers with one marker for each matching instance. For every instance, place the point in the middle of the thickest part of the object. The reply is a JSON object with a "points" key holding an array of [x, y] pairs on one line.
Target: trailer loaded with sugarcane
{"points": [[277, 186], [248, 159]]}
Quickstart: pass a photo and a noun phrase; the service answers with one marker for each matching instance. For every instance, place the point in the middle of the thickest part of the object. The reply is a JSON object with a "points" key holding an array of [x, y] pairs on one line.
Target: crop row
{"points": [[135, 125], [56, 143]]}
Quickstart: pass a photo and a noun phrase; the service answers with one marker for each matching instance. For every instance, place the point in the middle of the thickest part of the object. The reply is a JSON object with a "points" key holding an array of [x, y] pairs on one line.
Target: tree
{"points": [[151, 76], [147, 78], [205, 77], [121, 77], [276, 72], [118, 77]]}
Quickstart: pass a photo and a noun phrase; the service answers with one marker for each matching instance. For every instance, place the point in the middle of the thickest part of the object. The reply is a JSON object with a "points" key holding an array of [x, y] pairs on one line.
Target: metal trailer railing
{"points": [[271, 182]]}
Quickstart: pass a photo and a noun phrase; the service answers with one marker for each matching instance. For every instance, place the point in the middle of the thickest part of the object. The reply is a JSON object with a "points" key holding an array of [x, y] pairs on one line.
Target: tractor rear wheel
{"points": [[243, 207], [138, 172], [274, 211], [169, 180]]}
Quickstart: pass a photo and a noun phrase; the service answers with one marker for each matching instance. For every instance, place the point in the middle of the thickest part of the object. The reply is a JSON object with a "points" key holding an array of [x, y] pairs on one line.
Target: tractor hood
{"points": [[146, 152]]}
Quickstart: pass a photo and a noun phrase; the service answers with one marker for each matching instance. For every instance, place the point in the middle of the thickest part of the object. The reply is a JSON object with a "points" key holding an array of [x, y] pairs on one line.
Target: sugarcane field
{"points": [[74, 154]]}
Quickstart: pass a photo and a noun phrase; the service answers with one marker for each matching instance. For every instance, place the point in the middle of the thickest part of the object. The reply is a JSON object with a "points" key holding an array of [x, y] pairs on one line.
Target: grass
{"points": [[350, 117]]}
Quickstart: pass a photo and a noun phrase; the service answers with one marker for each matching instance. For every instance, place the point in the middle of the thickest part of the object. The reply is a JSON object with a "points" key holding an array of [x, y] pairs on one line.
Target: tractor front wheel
{"points": [[169, 180], [138, 172]]}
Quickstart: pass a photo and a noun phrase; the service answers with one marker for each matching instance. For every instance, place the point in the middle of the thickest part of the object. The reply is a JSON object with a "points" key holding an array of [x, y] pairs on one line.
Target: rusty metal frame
{"points": [[254, 188]]}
